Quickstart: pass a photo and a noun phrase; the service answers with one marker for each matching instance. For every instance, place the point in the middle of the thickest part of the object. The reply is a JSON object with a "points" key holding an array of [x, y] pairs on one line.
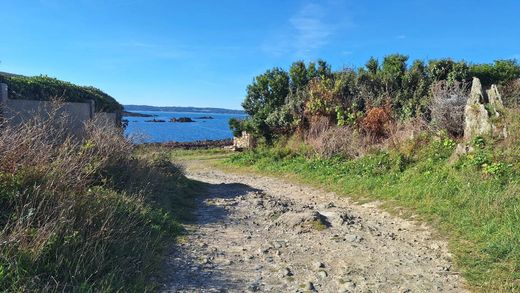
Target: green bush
{"points": [[281, 103], [44, 88]]}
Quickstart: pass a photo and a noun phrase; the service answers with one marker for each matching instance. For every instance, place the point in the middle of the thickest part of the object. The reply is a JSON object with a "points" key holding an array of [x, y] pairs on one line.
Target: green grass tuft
{"points": [[473, 202]]}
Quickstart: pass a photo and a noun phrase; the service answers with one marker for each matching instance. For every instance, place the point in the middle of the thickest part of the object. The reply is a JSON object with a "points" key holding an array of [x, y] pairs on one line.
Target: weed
{"points": [[83, 215]]}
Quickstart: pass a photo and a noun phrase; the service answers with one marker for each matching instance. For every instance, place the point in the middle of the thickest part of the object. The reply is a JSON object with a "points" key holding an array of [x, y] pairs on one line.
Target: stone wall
{"points": [[246, 141]]}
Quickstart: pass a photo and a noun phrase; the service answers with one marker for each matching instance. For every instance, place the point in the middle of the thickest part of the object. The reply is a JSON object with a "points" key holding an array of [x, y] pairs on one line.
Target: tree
{"points": [[312, 72], [412, 96], [372, 65], [393, 68], [265, 95], [298, 75], [324, 69]]}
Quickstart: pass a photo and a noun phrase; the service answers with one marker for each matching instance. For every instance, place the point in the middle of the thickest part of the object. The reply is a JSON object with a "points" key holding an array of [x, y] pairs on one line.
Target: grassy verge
{"points": [[473, 202], [85, 216]]}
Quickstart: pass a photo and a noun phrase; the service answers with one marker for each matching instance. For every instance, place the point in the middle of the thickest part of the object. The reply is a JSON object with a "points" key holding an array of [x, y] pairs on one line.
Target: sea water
{"points": [[201, 129]]}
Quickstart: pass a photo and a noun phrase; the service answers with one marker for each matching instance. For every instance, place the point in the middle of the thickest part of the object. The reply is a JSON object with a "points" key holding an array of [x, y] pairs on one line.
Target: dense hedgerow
{"points": [[83, 215], [281, 103]]}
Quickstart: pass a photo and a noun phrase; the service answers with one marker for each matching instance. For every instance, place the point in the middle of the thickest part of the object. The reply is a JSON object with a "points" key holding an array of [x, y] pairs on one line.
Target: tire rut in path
{"points": [[262, 234]]}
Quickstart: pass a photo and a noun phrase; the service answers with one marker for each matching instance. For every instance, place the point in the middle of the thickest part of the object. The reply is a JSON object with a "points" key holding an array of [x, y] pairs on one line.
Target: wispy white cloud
{"points": [[310, 28], [400, 37], [312, 31]]}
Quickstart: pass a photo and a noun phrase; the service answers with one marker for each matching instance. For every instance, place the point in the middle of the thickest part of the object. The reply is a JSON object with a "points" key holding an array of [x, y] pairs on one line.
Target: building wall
{"points": [[103, 119], [71, 116]]}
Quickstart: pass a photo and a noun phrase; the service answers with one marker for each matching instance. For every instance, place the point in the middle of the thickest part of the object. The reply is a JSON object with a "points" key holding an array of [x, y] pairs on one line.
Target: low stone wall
{"points": [[201, 144], [246, 141]]}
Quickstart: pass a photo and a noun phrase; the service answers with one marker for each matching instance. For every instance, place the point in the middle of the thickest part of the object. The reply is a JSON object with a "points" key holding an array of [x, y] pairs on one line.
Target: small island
{"points": [[155, 120], [182, 119], [135, 114], [205, 118]]}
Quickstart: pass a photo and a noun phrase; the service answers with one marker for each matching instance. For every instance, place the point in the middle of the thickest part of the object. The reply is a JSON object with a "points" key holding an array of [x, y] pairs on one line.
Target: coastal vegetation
{"points": [[91, 215], [43, 87], [281, 102], [389, 131]]}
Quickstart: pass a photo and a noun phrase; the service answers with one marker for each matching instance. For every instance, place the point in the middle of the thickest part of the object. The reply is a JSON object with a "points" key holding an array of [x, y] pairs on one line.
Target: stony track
{"points": [[260, 234]]}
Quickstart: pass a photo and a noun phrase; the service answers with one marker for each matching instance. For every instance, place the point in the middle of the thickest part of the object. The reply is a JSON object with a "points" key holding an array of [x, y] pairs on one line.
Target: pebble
{"points": [[204, 261], [322, 274], [352, 238], [309, 286], [435, 246], [349, 286], [287, 272], [327, 205], [255, 287], [263, 251]]}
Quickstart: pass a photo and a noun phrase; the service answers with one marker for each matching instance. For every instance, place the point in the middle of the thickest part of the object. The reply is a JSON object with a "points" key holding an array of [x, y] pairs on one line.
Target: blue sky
{"points": [[204, 53]]}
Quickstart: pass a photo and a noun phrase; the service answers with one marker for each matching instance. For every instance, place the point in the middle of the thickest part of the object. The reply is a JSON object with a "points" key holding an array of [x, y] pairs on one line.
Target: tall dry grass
{"points": [[82, 214]]}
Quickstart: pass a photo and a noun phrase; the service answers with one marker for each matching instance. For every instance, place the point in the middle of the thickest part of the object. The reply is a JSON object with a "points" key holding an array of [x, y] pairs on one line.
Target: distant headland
{"points": [[181, 109]]}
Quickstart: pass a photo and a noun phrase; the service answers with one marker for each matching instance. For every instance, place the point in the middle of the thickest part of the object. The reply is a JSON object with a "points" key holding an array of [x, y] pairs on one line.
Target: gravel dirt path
{"points": [[259, 234]]}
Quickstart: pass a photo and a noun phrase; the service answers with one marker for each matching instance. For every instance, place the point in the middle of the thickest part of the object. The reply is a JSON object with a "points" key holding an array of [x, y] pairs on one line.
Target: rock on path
{"points": [[258, 234]]}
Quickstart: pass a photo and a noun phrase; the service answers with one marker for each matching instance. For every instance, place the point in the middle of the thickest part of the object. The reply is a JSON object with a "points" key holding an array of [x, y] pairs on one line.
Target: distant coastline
{"points": [[137, 108], [135, 114]]}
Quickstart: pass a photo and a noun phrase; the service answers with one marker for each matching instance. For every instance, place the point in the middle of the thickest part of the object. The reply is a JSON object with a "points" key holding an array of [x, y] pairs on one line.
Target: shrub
{"points": [[447, 106], [408, 136], [236, 127], [499, 72], [323, 100], [511, 93], [317, 125], [81, 215], [377, 121], [343, 141]]}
